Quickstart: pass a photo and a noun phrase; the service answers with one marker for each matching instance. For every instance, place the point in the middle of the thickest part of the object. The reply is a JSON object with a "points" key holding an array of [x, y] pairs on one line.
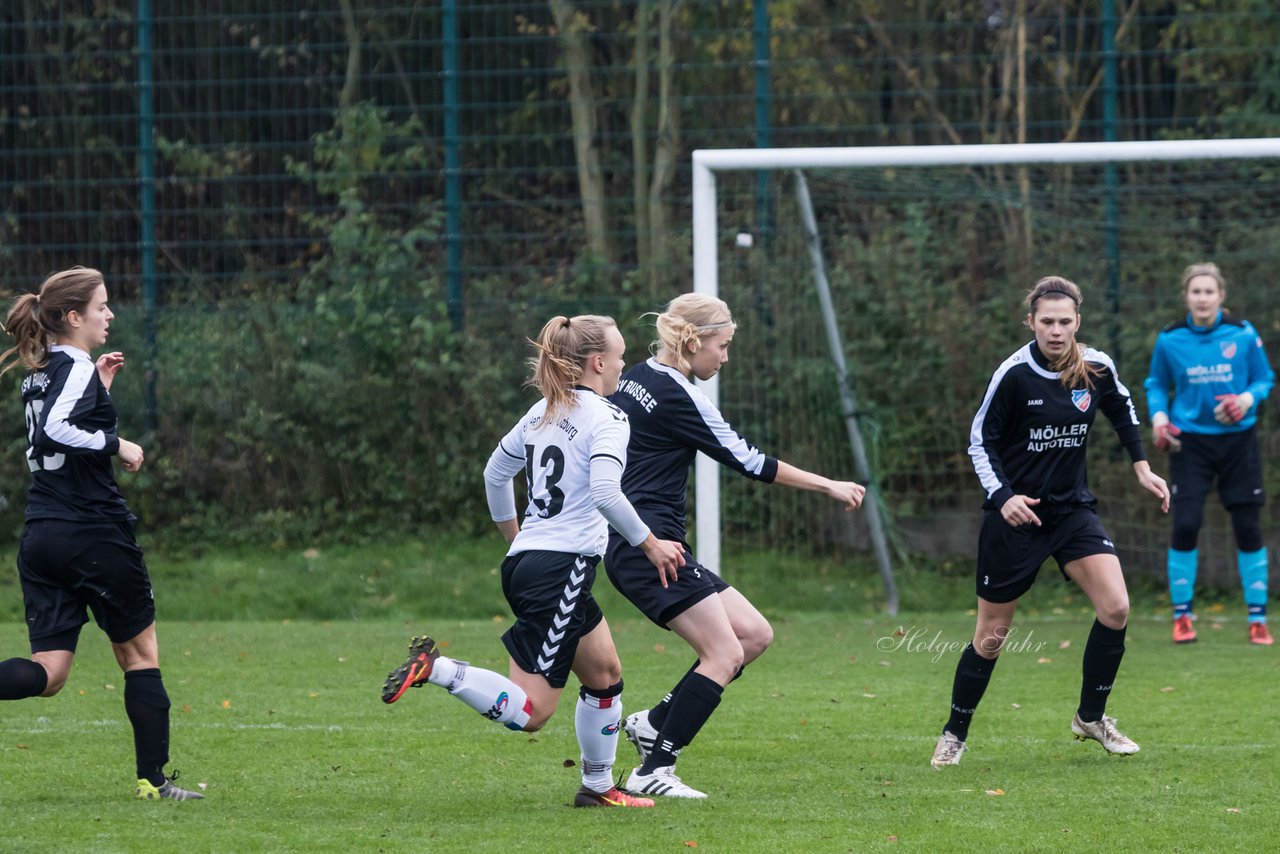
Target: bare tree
{"points": [[572, 27], [668, 136]]}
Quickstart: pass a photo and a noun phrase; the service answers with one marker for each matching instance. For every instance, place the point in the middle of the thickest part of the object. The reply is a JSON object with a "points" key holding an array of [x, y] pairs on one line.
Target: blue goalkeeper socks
{"points": [[1182, 580], [1253, 580]]}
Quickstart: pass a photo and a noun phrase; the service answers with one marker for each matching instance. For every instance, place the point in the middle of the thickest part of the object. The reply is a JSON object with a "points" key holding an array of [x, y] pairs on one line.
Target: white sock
{"points": [[597, 721], [491, 694]]}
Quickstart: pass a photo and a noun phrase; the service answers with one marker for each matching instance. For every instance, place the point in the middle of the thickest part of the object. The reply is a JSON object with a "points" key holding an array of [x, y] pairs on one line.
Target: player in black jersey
{"points": [[671, 420], [78, 549], [1028, 448], [572, 448]]}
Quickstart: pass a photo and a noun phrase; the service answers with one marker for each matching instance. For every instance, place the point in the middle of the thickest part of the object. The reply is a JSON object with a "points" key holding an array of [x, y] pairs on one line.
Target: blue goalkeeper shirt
{"points": [[1202, 363]]}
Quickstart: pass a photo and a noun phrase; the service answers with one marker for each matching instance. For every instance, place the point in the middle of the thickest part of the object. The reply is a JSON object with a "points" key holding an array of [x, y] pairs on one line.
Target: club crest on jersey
{"points": [[1228, 349], [1081, 398]]}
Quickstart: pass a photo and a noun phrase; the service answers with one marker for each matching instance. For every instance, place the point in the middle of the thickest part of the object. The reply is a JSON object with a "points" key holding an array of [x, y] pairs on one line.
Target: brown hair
{"points": [[689, 318], [34, 320], [1073, 370], [1207, 268], [562, 347]]}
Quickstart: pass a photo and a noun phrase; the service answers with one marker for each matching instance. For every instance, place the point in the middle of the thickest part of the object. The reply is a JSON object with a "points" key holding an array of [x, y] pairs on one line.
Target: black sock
{"points": [[1102, 656], [21, 678], [690, 709], [147, 705], [973, 672], [658, 714]]}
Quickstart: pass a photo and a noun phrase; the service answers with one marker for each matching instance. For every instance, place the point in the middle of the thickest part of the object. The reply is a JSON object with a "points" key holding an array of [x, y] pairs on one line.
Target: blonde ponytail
{"points": [[562, 348]]}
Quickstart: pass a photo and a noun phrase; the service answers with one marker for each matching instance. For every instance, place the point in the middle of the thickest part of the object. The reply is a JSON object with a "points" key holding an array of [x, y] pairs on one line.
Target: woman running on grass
{"points": [[671, 420], [78, 552], [572, 448], [1028, 448]]}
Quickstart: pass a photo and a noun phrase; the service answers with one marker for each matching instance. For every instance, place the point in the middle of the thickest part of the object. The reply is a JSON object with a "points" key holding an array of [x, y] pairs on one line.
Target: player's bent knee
{"points": [[756, 642], [537, 720], [1114, 615], [54, 685], [728, 660]]}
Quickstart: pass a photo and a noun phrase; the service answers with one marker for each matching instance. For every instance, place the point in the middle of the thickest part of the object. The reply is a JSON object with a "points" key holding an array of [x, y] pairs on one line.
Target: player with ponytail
{"points": [[1027, 443], [78, 552], [572, 447]]}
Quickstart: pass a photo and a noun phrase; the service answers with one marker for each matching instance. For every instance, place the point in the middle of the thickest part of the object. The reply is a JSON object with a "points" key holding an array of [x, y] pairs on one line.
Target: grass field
{"points": [[822, 746]]}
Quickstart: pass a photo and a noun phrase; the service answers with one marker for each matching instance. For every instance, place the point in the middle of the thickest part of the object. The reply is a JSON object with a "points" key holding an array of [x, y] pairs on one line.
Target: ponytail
{"points": [[562, 348], [33, 321]]}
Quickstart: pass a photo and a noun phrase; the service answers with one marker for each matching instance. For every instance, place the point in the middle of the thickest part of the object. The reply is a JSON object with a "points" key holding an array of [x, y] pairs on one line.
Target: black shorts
{"points": [[1231, 459], [66, 567], [1009, 558], [550, 594], [637, 579]]}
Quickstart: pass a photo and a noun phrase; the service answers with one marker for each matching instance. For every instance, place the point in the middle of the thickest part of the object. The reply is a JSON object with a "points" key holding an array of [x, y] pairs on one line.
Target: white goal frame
{"points": [[706, 162]]}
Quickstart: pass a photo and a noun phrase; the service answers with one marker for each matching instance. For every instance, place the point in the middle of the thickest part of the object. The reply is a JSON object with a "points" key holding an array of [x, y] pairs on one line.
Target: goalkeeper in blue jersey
{"points": [[1218, 371]]}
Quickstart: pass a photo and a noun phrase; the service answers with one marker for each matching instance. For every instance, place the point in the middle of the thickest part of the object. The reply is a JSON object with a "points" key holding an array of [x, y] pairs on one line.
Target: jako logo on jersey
{"points": [[1081, 398], [499, 706], [611, 729], [1228, 349], [1037, 402]]}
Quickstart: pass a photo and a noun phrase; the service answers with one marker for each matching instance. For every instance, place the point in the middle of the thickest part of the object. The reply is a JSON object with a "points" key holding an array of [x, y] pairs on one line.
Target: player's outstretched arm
{"points": [[846, 492], [1153, 483]]}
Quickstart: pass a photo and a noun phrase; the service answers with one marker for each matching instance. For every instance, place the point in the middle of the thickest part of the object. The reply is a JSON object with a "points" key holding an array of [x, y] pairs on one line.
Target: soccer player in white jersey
{"points": [[572, 448], [671, 421], [78, 552], [1028, 448]]}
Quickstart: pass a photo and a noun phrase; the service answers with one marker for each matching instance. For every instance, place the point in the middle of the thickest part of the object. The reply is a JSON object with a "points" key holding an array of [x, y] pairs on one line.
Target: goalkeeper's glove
{"points": [[1167, 437], [1232, 408]]}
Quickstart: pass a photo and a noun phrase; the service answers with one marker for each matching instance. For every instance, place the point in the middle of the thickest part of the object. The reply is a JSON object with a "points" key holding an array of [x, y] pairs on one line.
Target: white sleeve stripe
{"points": [[1099, 356], [56, 426], [751, 459], [977, 451]]}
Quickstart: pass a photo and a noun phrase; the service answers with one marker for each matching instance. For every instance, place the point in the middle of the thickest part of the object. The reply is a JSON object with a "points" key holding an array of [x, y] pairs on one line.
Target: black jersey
{"points": [[1028, 437], [71, 437], [671, 420]]}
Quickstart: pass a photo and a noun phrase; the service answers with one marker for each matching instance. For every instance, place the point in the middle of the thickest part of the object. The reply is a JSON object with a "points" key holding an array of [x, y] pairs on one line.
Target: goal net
{"points": [[928, 252]]}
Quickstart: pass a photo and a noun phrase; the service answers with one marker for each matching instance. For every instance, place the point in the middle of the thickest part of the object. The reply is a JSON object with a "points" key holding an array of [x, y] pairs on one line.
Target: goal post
{"points": [[706, 163]]}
